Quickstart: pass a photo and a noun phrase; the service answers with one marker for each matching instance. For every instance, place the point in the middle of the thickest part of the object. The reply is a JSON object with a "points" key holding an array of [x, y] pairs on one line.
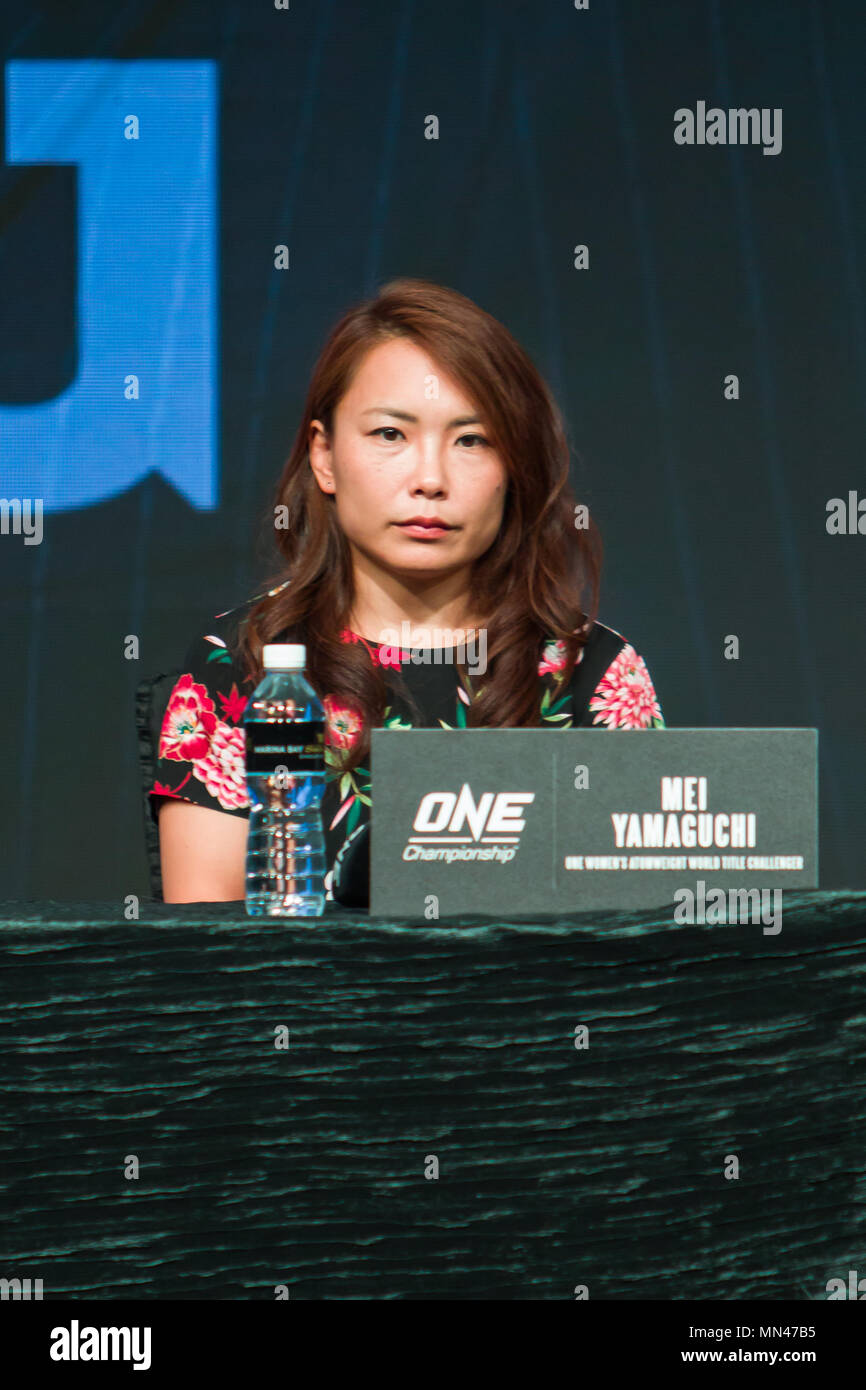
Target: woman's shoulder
{"points": [[610, 686], [210, 657], [228, 623], [213, 647], [211, 683]]}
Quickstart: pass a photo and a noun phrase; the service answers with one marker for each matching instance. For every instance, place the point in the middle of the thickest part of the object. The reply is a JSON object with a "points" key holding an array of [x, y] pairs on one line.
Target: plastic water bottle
{"points": [[284, 723]]}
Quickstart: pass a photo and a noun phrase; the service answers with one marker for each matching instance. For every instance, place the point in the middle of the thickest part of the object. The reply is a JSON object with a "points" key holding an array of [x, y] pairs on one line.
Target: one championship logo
{"points": [[450, 826]]}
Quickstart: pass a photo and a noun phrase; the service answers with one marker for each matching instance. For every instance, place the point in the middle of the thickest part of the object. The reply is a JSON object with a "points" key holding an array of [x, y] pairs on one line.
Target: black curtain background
{"points": [[556, 128]]}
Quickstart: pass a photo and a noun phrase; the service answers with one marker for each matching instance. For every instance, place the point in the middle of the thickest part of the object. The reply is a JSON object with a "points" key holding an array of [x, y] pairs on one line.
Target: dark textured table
{"points": [[559, 1166]]}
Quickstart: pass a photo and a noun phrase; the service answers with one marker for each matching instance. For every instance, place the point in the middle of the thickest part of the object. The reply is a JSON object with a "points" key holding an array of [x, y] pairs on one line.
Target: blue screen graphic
{"points": [[143, 138]]}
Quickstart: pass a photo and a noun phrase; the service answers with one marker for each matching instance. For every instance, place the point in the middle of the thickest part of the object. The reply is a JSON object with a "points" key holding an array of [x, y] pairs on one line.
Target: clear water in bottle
{"points": [[284, 723]]}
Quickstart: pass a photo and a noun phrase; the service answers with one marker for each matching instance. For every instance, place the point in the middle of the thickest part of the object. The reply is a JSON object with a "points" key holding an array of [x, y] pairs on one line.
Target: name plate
{"points": [[523, 822]]}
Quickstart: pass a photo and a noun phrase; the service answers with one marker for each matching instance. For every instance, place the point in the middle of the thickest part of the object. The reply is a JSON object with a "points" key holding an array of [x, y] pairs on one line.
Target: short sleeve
{"points": [[200, 756], [625, 698]]}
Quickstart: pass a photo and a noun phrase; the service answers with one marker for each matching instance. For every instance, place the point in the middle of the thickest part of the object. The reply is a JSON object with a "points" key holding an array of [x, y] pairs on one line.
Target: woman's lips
{"points": [[424, 533]]}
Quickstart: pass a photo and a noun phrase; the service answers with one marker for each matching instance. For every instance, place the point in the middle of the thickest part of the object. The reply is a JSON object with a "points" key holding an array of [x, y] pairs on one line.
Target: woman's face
{"points": [[408, 443]]}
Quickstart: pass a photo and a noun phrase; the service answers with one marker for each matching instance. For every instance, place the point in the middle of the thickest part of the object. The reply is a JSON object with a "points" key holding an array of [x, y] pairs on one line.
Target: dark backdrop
{"points": [[556, 128]]}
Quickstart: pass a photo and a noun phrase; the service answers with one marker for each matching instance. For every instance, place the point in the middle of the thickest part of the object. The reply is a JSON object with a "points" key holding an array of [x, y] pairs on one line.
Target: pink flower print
{"points": [[553, 658], [624, 697], [189, 722], [162, 789], [385, 655], [233, 704], [343, 724], [381, 655], [223, 770]]}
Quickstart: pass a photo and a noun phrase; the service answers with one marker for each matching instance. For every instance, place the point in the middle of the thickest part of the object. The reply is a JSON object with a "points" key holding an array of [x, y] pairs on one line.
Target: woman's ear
{"points": [[321, 457]]}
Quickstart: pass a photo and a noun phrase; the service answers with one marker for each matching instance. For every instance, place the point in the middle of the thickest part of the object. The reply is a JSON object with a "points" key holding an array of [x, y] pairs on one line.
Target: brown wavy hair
{"points": [[531, 582]]}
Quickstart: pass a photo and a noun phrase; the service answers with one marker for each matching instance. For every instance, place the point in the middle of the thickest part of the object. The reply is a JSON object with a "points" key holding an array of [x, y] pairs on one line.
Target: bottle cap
{"points": [[277, 656]]}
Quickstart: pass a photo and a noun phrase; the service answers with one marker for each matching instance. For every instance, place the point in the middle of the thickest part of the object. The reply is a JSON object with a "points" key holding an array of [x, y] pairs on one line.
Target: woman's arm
{"points": [[202, 852]]}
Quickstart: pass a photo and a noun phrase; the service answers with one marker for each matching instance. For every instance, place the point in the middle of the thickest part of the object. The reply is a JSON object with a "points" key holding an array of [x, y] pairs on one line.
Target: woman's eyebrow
{"points": [[413, 419]]}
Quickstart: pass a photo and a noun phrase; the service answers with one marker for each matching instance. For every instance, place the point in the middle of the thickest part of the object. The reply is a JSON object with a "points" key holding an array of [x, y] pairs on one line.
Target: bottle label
{"points": [[299, 747]]}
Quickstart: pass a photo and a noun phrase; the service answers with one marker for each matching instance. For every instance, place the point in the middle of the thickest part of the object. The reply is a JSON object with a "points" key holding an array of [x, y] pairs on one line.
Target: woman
{"points": [[434, 563]]}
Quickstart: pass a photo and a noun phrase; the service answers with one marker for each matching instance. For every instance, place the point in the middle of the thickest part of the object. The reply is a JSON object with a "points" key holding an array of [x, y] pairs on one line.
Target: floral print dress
{"points": [[201, 747]]}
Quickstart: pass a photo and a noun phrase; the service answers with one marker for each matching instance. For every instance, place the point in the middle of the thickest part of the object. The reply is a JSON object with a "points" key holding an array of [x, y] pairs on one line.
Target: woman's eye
{"points": [[392, 430]]}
